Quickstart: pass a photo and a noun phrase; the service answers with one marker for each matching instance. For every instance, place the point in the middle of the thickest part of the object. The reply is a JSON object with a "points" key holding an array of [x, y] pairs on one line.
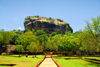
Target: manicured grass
{"points": [[73, 62], [20, 61], [92, 57], [31, 62]]}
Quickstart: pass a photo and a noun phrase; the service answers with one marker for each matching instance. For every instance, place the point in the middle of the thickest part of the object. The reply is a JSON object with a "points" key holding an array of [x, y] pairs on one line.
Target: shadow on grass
{"points": [[71, 58], [92, 59], [7, 64], [14, 55], [94, 64]]}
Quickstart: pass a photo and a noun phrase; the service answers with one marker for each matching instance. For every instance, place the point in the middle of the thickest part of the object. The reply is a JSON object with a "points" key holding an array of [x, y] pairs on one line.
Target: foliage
{"points": [[52, 34], [94, 28], [34, 47], [2, 30], [54, 42], [87, 40], [12, 41], [37, 16], [25, 39], [68, 33], [49, 17], [7, 36], [39, 32], [1, 40], [19, 48], [91, 35], [26, 29], [41, 37], [14, 30], [69, 43]]}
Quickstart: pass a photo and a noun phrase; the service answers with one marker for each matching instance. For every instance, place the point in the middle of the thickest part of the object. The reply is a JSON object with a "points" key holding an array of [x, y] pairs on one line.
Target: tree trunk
{"points": [[35, 54], [19, 54]]}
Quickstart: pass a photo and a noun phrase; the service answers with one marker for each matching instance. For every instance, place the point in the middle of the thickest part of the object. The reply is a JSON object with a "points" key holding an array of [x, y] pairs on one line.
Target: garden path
{"points": [[48, 62]]}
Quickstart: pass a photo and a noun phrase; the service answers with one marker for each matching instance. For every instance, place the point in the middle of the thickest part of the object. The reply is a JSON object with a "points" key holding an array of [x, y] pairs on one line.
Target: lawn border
{"points": [[56, 63], [40, 62]]}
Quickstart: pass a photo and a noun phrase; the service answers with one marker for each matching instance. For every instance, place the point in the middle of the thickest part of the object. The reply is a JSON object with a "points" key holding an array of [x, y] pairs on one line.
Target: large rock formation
{"points": [[49, 25]]}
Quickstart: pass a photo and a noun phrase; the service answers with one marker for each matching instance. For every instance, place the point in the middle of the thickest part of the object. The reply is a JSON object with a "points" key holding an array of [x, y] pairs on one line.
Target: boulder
{"points": [[10, 48], [49, 25]]}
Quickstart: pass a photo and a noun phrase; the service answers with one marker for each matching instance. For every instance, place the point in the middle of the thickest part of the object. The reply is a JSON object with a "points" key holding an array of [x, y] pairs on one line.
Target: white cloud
{"points": [[20, 28], [5, 27]]}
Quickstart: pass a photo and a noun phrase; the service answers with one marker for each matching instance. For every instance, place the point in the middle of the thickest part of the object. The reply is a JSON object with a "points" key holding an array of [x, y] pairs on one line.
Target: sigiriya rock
{"points": [[49, 25]]}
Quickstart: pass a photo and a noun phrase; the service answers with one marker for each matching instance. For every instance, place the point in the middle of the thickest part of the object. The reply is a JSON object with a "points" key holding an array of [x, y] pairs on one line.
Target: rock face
{"points": [[10, 48], [49, 25]]}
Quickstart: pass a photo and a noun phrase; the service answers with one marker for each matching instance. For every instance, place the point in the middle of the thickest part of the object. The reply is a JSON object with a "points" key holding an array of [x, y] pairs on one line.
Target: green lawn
{"points": [[30, 62], [92, 57], [20, 61], [74, 62]]}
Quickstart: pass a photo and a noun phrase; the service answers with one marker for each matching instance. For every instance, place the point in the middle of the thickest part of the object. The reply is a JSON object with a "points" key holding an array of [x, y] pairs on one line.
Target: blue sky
{"points": [[13, 12]]}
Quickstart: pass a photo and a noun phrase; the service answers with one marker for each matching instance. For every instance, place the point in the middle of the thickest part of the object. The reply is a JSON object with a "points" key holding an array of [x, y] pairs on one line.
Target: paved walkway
{"points": [[48, 62]]}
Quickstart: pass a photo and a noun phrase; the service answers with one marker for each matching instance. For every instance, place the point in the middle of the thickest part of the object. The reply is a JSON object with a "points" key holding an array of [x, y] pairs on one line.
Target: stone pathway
{"points": [[48, 62]]}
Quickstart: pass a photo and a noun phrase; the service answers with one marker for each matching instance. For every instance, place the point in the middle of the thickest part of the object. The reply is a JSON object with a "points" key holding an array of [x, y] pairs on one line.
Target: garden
{"points": [[79, 49], [63, 61]]}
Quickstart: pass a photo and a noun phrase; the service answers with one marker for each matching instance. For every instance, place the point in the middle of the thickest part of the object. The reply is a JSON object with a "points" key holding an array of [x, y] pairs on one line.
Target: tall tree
{"points": [[25, 39], [12, 41], [94, 30], [19, 48], [42, 37], [7, 36], [1, 40], [34, 47]]}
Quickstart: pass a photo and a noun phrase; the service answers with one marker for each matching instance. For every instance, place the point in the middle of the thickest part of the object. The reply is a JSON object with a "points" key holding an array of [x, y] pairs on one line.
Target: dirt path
{"points": [[48, 62]]}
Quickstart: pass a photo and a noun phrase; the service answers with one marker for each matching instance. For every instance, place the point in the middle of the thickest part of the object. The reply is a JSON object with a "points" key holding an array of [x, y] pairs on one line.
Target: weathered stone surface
{"points": [[2, 49], [47, 24], [10, 48]]}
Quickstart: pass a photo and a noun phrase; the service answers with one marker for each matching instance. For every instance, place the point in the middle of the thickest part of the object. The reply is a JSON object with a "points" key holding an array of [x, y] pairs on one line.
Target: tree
{"points": [[49, 17], [39, 32], [53, 34], [42, 37], [93, 30], [68, 33], [88, 42], [1, 40], [25, 39], [54, 42], [77, 33], [69, 43], [35, 47], [19, 48], [14, 30], [33, 30], [37, 16], [2, 30], [26, 29], [7, 36], [12, 41]]}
